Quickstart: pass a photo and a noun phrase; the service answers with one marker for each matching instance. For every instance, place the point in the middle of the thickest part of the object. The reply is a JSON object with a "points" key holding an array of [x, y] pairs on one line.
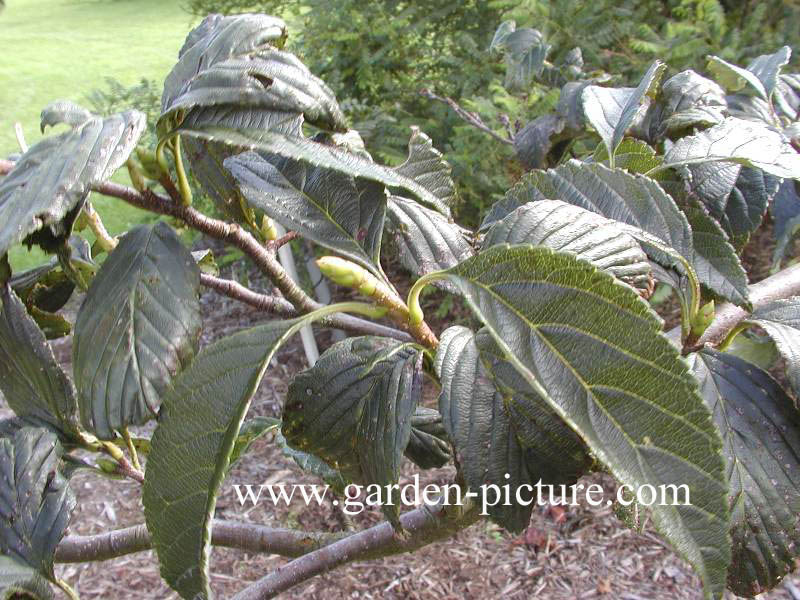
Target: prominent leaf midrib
{"points": [[428, 228], [636, 445], [619, 199], [512, 358]]}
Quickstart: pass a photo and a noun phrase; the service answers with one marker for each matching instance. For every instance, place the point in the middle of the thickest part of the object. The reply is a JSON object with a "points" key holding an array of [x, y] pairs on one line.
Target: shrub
{"points": [[568, 370]]}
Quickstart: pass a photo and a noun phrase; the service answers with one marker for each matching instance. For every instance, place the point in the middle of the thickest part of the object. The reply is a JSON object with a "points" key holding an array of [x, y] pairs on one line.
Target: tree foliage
{"points": [[565, 368]]}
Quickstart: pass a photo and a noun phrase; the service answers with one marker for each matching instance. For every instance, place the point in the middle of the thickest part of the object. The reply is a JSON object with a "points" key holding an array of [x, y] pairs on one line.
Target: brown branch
{"points": [[245, 536], [282, 241], [264, 258], [422, 526], [279, 306], [470, 117], [783, 284]]}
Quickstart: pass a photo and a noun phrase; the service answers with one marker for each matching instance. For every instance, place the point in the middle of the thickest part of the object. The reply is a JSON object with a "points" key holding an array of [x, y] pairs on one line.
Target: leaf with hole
{"points": [[760, 429], [139, 325], [594, 351], [353, 409]]}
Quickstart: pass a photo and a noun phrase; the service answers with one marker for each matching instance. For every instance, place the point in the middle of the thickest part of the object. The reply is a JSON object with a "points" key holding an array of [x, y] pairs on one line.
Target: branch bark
{"points": [[279, 306], [422, 526], [263, 257], [783, 284], [245, 536]]}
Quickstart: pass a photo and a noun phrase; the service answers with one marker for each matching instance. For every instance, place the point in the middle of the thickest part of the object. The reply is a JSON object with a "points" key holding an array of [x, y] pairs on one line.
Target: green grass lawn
{"points": [[63, 49]]}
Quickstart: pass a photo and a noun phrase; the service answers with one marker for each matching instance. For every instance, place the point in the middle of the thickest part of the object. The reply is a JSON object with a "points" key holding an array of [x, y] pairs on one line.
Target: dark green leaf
{"points": [[781, 320], [231, 65], [787, 95], [760, 429], [18, 580], [323, 205], [556, 454], [353, 409], [48, 185], [315, 153], [589, 236], [593, 349], [736, 140], [138, 326], [311, 464], [33, 383], [475, 416], [533, 142], [250, 431], [525, 52], [427, 167], [611, 111], [427, 241], [428, 447], [191, 447], [717, 265], [745, 207], [786, 217], [35, 499]]}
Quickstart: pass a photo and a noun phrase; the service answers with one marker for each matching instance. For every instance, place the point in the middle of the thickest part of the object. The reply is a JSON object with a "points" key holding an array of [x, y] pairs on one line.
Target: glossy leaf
{"points": [[35, 499], [767, 68], [47, 186], [589, 236], [138, 326], [594, 351], [736, 140], [353, 409], [427, 241], [781, 320], [716, 262], [734, 78], [323, 205], [191, 448], [33, 383], [611, 111], [760, 429]]}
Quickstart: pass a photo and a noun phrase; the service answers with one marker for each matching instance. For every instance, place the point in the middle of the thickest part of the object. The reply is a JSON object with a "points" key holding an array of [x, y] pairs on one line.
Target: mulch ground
{"points": [[565, 554]]}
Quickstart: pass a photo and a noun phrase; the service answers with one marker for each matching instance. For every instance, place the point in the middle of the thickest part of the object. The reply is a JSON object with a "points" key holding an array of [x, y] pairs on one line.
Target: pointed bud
{"points": [[703, 319]]}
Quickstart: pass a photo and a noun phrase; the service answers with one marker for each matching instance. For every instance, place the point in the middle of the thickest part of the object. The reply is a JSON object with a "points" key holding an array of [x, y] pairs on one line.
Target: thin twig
{"points": [[279, 306], [470, 117], [282, 241], [232, 233]]}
